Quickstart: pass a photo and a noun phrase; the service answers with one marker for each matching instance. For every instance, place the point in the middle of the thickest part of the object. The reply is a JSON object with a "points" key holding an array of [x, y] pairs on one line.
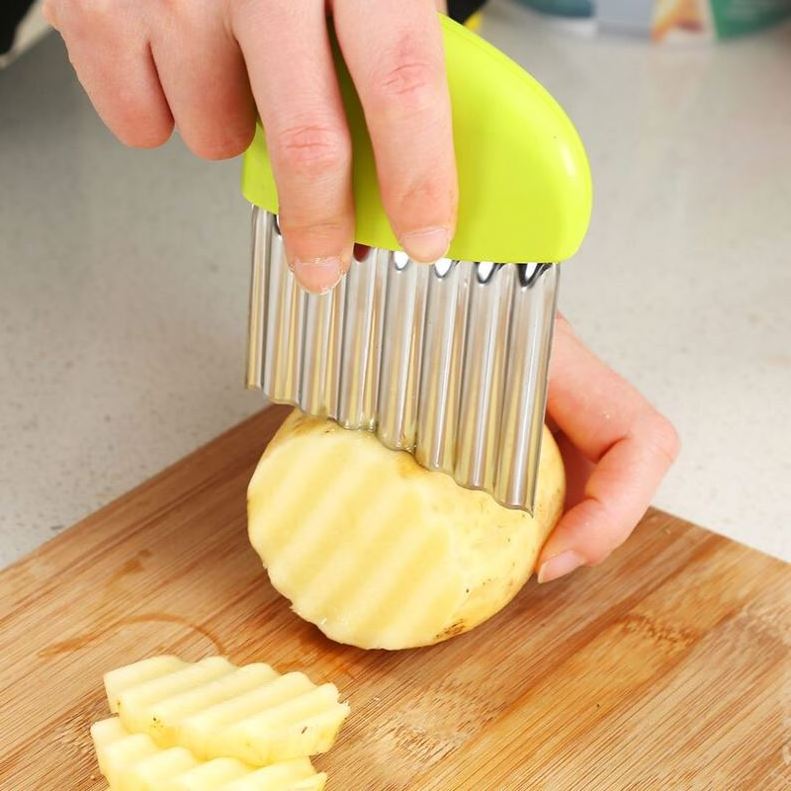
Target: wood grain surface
{"points": [[665, 668]]}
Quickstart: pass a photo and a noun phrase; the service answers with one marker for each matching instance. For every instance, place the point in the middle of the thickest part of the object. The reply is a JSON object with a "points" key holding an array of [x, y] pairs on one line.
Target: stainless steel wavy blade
{"points": [[447, 361]]}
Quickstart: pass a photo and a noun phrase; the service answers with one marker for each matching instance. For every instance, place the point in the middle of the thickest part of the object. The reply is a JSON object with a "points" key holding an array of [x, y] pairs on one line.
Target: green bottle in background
{"points": [[569, 8], [735, 17]]}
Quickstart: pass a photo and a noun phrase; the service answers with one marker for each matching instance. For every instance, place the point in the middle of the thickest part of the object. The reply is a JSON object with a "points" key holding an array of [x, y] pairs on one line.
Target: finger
{"points": [[616, 496], [395, 57], [289, 60], [110, 52], [204, 79], [590, 403], [578, 470], [631, 444]]}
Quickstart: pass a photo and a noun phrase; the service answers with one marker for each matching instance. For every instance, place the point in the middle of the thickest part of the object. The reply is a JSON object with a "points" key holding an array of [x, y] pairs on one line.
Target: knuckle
{"points": [[313, 149], [665, 438], [430, 198], [315, 230], [656, 434], [429, 190], [410, 82], [409, 77]]}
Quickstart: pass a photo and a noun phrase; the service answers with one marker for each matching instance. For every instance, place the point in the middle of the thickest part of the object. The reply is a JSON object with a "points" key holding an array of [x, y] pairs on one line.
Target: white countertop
{"points": [[124, 274]]}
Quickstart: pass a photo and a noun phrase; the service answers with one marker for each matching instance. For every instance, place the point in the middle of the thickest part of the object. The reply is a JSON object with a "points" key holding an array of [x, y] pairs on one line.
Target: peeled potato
{"points": [[379, 552]]}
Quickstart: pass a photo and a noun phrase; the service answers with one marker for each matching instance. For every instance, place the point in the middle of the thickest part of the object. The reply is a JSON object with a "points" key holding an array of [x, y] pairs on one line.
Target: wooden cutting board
{"points": [[662, 669]]}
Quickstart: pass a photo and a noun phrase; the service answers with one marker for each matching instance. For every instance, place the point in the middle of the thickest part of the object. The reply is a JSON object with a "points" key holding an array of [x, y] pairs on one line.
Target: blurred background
{"points": [[124, 274]]}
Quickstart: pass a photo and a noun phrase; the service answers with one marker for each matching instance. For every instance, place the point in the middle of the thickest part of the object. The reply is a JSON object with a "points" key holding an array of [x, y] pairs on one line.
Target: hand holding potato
{"points": [[381, 553], [616, 447]]}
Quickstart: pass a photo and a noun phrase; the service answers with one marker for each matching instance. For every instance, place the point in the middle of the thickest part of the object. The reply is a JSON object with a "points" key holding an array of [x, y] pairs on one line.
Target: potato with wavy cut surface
{"points": [[379, 552]]}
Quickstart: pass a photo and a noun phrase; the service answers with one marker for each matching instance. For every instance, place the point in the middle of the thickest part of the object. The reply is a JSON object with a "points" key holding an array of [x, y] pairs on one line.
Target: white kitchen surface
{"points": [[123, 277]]}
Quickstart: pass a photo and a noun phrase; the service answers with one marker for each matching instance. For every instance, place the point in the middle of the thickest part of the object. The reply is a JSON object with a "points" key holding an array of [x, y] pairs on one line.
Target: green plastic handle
{"points": [[524, 180]]}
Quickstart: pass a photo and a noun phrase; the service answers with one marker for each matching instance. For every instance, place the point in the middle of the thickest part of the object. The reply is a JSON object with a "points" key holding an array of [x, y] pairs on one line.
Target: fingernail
{"points": [[318, 275], [427, 245], [560, 565]]}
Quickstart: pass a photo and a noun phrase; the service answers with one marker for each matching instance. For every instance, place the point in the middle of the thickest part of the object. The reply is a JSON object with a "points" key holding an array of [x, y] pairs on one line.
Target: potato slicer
{"points": [[447, 361]]}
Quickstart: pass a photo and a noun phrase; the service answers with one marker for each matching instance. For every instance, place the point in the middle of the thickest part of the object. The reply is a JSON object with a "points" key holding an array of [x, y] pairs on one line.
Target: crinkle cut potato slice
{"points": [[215, 709], [134, 762], [377, 551]]}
